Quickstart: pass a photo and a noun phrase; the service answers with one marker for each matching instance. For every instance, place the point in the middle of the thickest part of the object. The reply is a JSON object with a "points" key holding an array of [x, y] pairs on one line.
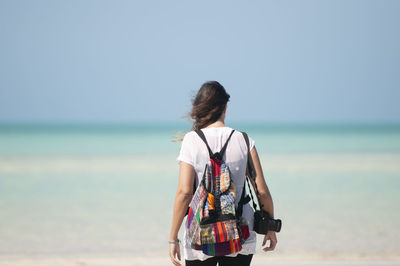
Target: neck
{"points": [[218, 123]]}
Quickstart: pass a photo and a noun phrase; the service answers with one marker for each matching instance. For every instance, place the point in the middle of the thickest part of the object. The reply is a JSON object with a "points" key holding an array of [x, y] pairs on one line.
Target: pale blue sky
{"points": [[135, 61]]}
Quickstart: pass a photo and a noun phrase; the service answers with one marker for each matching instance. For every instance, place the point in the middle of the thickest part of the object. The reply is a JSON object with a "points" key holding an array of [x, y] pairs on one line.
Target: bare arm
{"points": [[183, 197], [265, 198]]}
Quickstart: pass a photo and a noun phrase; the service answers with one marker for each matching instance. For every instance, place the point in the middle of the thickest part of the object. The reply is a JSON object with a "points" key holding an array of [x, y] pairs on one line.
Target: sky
{"points": [[143, 61]]}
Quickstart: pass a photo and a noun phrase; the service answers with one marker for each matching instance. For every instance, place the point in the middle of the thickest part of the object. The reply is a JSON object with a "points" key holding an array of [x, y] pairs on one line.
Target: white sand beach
{"points": [[157, 260]]}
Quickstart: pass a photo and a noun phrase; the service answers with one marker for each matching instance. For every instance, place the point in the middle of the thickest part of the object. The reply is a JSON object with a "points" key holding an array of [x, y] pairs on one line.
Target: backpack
{"points": [[213, 225]]}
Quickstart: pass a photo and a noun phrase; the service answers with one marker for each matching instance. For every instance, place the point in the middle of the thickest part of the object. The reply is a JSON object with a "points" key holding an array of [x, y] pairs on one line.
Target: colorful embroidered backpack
{"points": [[212, 222]]}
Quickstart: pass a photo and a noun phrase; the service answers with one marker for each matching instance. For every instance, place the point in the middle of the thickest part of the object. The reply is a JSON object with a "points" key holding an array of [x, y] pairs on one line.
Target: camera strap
{"points": [[251, 175]]}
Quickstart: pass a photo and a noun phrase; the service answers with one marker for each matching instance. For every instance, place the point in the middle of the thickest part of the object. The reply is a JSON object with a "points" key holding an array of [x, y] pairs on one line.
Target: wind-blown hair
{"points": [[207, 106]]}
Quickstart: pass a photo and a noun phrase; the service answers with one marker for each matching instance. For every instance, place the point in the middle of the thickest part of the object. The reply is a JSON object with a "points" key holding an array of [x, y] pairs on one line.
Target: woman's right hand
{"points": [[271, 236], [174, 251]]}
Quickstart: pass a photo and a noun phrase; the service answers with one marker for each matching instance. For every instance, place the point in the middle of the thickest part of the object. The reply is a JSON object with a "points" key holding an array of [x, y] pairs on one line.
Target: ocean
{"points": [[107, 190]]}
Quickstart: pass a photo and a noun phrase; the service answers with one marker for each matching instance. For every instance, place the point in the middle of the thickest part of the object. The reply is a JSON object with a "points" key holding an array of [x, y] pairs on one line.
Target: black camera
{"points": [[264, 223]]}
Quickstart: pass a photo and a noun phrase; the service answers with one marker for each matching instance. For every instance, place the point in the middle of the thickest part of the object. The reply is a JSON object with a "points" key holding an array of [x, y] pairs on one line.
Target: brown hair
{"points": [[208, 106]]}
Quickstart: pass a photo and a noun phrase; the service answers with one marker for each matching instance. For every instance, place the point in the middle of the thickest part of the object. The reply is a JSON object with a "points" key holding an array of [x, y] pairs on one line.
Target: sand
{"points": [[157, 259]]}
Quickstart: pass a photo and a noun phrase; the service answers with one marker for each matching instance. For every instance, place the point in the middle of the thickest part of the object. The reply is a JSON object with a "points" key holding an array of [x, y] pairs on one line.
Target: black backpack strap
{"points": [[203, 137], [226, 143], [243, 200], [219, 154]]}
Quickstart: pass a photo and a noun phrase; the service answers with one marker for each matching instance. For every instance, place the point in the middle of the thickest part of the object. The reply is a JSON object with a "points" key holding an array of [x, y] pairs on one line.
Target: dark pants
{"points": [[239, 260]]}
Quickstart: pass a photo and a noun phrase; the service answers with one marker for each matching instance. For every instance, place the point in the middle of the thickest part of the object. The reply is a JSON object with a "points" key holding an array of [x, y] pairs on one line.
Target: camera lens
{"points": [[275, 225]]}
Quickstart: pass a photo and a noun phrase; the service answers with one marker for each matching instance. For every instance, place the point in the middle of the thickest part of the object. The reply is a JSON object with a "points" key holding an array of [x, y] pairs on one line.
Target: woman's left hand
{"points": [[174, 251]]}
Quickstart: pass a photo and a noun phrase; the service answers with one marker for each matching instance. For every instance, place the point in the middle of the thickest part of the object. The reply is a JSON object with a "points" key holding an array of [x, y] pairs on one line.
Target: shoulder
{"points": [[241, 135], [237, 133], [189, 135], [189, 138]]}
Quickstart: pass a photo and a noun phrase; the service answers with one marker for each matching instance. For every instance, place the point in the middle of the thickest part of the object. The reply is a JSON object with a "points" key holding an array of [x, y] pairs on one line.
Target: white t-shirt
{"points": [[194, 151]]}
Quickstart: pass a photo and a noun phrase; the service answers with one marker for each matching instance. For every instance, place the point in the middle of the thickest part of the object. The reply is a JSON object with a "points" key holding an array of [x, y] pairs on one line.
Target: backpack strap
{"points": [[243, 200], [226, 143], [219, 154], [203, 137]]}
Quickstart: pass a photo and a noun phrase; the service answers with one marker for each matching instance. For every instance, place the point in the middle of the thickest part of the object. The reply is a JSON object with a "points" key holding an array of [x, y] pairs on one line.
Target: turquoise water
{"points": [[67, 189]]}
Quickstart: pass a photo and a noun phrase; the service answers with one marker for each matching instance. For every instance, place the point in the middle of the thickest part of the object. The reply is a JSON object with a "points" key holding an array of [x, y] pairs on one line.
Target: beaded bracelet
{"points": [[174, 242]]}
